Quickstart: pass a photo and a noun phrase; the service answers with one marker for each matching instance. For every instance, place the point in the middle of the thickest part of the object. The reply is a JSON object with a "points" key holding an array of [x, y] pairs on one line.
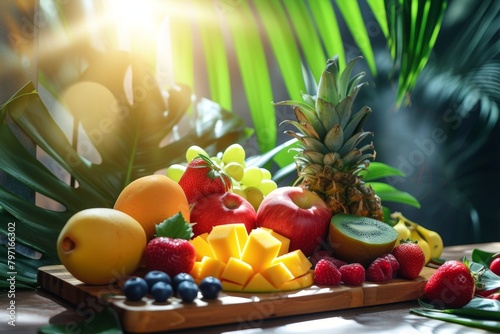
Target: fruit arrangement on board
{"points": [[214, 223]]}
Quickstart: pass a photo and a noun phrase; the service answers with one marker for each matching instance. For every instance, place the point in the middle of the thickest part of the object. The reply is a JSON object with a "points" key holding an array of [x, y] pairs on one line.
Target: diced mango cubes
{"points": [[277, 274], [285, 242], [237, 271], [255, 262], [227, 240], [202, 247], [295, 261], [260, 250]]}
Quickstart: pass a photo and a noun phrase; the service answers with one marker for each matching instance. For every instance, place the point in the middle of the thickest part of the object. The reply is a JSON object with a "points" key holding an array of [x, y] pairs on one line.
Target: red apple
{"points": [[298, 214], [219, 209]]}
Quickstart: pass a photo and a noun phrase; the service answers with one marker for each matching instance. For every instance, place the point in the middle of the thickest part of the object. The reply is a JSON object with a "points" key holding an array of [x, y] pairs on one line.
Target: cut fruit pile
{"points": [[258, 261]]}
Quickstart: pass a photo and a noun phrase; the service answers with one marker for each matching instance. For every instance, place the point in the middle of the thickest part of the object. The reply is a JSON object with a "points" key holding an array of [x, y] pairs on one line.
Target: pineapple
{"points": [[329, 160]]}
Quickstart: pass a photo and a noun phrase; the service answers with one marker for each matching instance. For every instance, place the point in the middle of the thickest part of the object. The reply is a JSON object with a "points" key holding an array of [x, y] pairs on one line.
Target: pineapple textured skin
{"points": [[333, 150]]}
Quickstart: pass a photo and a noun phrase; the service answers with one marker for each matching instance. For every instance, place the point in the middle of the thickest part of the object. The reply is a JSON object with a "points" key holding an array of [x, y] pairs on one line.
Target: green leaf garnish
{"points": [[482, 257], [174, 227], [479, 313]]}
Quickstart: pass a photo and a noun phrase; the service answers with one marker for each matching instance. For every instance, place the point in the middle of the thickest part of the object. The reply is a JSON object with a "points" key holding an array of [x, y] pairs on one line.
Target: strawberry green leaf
{"points": [[174, 227], [482, 257], [486, 279]]}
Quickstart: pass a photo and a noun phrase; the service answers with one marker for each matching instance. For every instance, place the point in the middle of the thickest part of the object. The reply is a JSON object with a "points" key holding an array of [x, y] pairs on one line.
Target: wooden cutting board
{"points": [[241, 308]]}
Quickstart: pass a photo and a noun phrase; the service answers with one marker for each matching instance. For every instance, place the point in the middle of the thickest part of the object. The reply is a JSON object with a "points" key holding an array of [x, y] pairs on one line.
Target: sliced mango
{"points": [[210, 267], [260, 249], [202, 247], [289, 285], [295, 261], [277, 274], [227, 240], [237, 271], [259, 284], [231, 286], [306, 280], [285, 242], [255, 262]]}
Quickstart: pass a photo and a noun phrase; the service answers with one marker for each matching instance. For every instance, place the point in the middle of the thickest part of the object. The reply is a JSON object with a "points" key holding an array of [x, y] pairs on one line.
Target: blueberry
{"points": [[187, 291], [154, 276], [135, 288], [161, 291], [210, 287], [181, 277]]}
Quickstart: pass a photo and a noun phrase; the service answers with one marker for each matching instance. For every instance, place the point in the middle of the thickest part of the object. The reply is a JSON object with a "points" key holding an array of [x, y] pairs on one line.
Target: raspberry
{"points": [[326, 273], [394, 263], [380, 270], [318, 255], [324, 254], [353, 274]]}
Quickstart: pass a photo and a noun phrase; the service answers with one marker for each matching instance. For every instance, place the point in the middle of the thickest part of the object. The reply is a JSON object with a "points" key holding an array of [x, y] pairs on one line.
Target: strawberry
{"points": [[172, 256], [326, 273], [203, 177], [451, 285], [380, 270], [411, 258], [353, 274], [495, 266], [170, 251]]}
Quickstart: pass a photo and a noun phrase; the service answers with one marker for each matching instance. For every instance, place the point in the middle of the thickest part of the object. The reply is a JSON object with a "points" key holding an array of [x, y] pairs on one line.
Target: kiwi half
{"points": [[360, 239]]}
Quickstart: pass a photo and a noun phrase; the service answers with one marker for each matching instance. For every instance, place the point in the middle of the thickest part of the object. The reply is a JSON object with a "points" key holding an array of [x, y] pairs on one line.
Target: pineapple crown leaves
{"points": [[325, 123], [175, 227]]}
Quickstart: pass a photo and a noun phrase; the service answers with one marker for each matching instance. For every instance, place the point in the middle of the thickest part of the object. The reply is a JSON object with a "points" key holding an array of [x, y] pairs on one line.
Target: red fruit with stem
{"points": [[411, 258], [452, 285], [172, 256], [203, 177]]}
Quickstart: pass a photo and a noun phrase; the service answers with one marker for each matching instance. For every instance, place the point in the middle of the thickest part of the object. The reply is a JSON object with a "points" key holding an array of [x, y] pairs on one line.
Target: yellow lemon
{"points": [[100, 245]]}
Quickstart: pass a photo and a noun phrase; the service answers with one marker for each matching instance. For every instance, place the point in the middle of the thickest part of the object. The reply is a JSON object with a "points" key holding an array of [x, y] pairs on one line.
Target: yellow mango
{"points": [[227, 240], [210, 267], [195, 271], [260, 249], [306, 280], [285, 242], [290, 285], [201, 246], [231, 286], [295, 261], [237, 271], [277, 274], [258, 283]]}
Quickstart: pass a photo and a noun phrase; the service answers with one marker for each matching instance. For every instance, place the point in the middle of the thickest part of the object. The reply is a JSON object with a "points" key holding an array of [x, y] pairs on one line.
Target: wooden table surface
{"points": [[35, 308]]}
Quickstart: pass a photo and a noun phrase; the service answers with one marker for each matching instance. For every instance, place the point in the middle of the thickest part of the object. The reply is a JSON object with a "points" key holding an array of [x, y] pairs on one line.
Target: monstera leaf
{"points": [[136, 138]]}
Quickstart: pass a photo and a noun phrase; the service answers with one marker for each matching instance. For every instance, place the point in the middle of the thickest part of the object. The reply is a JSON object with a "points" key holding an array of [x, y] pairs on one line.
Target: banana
{"points": [[431, 238], [424, 245], [403, 231]]}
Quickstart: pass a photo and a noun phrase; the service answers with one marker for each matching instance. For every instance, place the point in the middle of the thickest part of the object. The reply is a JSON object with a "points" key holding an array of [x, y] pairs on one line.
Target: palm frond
{"points": [[141, 141]]}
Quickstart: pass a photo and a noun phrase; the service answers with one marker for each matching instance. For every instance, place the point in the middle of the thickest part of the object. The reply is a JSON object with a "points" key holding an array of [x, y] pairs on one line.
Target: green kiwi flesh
{"points": [[360, 239]]}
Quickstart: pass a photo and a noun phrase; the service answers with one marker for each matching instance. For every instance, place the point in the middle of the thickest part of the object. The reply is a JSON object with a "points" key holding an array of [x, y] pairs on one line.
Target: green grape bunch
{"points": [[252, 183]]}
